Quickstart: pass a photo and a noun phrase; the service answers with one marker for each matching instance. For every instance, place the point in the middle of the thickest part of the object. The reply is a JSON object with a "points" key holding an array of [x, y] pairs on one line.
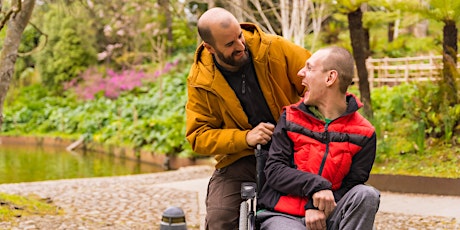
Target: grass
{"points": [[439, 161], [15, 206]]}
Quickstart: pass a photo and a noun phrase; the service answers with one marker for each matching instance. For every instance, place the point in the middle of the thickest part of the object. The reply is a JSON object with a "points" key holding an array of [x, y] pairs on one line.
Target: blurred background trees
{"points": [[15, 16], [115, 71]]}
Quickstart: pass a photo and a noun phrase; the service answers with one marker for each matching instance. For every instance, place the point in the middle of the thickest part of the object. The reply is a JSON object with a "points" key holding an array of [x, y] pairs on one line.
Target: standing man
{"points": [[321, 154], [239, 81]]}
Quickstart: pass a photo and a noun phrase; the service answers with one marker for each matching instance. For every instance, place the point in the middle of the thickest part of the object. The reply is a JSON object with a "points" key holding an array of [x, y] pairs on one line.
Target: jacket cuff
{"points": [[309, 205], [323, 184], [247, 144]]}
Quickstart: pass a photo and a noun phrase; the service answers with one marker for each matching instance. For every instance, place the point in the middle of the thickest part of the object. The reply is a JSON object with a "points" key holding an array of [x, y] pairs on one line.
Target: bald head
{"points": [[341, 60], [212, 19]]}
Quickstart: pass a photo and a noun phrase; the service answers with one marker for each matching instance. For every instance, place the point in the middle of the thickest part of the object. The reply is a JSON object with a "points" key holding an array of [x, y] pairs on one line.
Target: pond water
{"points": [[33, 163]]}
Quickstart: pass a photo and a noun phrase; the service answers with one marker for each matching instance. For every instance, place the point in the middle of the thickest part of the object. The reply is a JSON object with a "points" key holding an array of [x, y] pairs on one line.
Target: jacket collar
{"points": [[353, 105]]}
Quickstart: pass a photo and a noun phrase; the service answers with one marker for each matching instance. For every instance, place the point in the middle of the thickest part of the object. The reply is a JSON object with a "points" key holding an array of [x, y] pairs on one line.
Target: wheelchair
{"points": [[249, 193]]}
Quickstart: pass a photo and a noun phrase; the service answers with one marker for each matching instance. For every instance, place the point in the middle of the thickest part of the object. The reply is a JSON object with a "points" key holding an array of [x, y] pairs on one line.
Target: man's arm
{"points": [[204, 126]]}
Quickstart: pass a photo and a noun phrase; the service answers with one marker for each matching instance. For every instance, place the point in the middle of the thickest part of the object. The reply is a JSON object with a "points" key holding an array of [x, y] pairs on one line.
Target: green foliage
{"points": [[377, 20], [416, 135], [70, 48], [183, 37], [442, 10], [347, 6], [333, 29], [390, 119], [436, 162], [153, 120], [29, 42], [150, 117], [414, 121], [406, 45], [30, 108]]}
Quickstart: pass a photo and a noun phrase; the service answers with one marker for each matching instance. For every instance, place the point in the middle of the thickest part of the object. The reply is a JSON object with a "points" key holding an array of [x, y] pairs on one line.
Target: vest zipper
{"points": [[326, 137]]}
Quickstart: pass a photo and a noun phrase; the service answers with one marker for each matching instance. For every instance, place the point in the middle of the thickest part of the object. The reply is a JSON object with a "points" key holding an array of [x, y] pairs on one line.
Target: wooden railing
{"points": [[393, 71]]}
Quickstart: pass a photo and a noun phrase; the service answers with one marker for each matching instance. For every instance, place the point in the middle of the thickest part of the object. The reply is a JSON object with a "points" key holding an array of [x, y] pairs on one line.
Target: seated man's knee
{"points": [[368, 194]]}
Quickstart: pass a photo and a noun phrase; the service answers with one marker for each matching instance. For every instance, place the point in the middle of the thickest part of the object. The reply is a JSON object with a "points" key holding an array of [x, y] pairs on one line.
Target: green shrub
{"points": [[148, 117], [70, 48]]}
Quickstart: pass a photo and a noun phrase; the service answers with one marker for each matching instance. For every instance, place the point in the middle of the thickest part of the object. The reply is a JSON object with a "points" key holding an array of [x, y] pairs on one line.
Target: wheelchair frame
{"points": [[249, 192]]}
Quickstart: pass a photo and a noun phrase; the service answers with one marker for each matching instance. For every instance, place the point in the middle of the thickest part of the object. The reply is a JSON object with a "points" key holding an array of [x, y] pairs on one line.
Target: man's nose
{"points": [[301, 73], [240, 45]]}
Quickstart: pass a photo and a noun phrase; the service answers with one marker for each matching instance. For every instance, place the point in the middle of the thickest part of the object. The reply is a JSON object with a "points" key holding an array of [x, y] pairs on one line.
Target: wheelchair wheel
{"points": [[243, 225]]}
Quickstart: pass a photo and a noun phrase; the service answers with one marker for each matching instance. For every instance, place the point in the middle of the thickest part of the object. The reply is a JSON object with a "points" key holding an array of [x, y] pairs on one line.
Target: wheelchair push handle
{"points": [[258, 148]]}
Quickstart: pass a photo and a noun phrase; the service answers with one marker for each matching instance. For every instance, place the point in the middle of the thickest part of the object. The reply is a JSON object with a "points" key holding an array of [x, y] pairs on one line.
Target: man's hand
{"points": [[261, 134], [315, 219], [324, 201]]}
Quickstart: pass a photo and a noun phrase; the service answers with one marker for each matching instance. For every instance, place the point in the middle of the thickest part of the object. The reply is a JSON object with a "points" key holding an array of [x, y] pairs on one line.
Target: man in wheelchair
{"points": [[321, 154]]}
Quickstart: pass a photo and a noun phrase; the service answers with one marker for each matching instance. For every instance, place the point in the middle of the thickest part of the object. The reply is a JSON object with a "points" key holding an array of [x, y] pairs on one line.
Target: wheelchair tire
{"points": [[243, 225]]}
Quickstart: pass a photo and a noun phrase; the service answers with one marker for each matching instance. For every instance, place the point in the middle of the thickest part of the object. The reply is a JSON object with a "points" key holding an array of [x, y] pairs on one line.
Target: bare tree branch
{"points": [[258, 6], [39, 46], [11, 13], [294, 18]]}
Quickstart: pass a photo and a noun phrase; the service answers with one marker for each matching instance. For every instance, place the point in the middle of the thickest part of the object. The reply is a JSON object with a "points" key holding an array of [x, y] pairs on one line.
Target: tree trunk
{"points": [[165, 5], [391, 31], [367, 41], [9, 52], [355, 25], [450, 59]]}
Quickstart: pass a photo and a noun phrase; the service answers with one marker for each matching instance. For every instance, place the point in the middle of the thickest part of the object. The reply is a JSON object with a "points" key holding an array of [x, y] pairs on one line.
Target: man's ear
{"points": [[332, 77], [208, 47]]}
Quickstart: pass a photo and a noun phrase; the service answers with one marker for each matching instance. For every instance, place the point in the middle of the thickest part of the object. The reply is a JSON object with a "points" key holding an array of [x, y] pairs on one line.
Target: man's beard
{"points": [[231, 60]]}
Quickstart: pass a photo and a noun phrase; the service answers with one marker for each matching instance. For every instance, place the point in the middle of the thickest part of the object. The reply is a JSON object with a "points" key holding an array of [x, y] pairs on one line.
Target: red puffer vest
{"points": [[326, 150]]}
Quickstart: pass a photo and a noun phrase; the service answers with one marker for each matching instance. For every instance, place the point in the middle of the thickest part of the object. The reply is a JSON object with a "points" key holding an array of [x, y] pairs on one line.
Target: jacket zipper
{"points": [[323, 162], [243, 84]]}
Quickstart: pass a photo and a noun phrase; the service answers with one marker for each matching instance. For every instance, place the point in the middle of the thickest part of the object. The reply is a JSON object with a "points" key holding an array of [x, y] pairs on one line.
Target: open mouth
{"points": [[307, 91], [238, 54]]}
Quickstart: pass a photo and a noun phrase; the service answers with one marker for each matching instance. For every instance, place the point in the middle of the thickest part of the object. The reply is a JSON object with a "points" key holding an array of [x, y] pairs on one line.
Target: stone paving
{"points": [[138, 201], [125, 202]]}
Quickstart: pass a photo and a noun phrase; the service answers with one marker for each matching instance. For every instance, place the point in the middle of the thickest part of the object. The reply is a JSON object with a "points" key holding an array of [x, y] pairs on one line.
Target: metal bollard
{"points": [[173, 219]]}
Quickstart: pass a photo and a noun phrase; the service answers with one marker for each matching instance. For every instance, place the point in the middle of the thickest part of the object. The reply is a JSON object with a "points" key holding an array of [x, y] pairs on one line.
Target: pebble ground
{"points": [[137, 202]]}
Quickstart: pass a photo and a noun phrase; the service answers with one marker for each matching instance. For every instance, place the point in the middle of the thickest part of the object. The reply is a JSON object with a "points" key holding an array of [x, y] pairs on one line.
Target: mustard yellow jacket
{"points": [[216, 123]]}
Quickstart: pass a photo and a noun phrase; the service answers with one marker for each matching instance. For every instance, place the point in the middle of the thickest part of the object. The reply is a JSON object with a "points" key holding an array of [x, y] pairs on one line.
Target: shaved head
{"points": [[342, 61], [212, 19], [223, 38]]}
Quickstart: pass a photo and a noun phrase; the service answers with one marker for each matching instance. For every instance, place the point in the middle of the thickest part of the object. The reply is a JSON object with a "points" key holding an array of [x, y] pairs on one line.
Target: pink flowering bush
{"points": [[110, 84]]}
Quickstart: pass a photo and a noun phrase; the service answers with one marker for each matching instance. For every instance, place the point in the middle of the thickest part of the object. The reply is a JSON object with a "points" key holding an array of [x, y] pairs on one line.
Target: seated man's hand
{"points": [[324, 201], [315, 219]]}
